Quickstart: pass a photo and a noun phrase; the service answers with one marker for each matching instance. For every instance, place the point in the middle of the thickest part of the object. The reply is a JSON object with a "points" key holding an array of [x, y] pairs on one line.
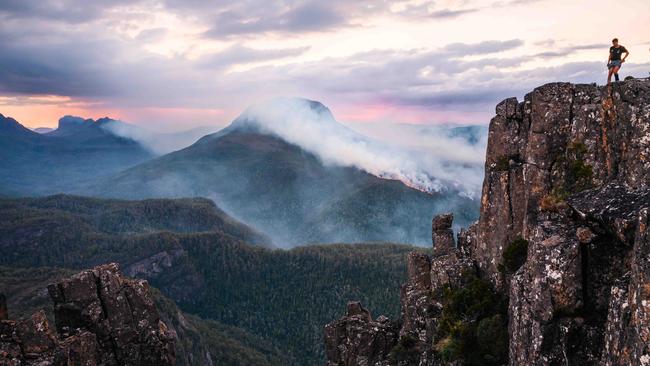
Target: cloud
{"points": [[114, 70], [480, 48], [567, 50], [304, 18], [274, 17], [151, 35], [255, 18], [70, 11], [448, 13], [49, 69], [591, 46], [91, 62], [428, 9], [239, 54]]}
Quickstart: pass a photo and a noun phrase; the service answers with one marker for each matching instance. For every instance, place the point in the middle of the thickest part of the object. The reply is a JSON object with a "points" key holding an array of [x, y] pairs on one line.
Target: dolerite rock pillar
{"points": [[442, 235], [416, 297], [448, 262]]}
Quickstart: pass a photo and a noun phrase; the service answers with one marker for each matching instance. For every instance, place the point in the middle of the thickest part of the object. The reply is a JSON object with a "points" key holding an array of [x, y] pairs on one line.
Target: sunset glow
{"points": [[180, 64]]}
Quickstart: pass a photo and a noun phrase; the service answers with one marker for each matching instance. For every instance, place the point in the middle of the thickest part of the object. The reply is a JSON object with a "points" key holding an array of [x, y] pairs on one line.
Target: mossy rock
{"points": [[473, 328], [514, 256]]}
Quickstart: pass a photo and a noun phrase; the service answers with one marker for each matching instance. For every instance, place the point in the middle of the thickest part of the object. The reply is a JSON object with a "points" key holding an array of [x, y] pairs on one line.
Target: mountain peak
{"points": [[69, 125], [70, 121], [10, 125], [278, 114], [73, 121]]}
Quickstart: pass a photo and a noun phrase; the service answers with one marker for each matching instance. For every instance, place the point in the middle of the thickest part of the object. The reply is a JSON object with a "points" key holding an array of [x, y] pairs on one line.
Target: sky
{"points": [[177, 64]]}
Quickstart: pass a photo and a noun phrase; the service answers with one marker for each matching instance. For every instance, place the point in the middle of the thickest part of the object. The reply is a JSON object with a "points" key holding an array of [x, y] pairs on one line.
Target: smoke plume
{"points": [[431, 159]]}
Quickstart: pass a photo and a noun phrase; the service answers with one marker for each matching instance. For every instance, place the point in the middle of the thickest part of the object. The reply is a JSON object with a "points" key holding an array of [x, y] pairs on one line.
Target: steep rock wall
{"points": [[567, 173]]}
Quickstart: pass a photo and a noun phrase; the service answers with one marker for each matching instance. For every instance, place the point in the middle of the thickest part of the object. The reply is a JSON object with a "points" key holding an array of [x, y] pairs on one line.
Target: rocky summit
{"points": [[102, 318], [557, 269]]}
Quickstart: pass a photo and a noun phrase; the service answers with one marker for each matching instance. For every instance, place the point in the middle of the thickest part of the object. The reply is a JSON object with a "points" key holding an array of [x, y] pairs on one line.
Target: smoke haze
{"points": [[159, 143], [429, 158]]}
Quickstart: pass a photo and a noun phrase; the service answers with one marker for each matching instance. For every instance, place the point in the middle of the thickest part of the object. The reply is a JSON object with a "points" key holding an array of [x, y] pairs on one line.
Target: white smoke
{"points": [[427, 159], [158, 142]]}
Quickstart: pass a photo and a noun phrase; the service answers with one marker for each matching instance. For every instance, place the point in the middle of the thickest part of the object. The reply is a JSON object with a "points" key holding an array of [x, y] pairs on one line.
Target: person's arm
{"points": [[626, 53]]}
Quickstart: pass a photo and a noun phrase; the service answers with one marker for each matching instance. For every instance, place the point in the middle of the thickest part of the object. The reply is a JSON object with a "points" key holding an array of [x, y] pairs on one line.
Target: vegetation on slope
{"points": [[285, 297], [473, 328]]}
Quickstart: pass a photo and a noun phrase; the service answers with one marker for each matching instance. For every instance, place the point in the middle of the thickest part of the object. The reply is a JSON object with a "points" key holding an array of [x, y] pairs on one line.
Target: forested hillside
{"points": [[200, 258]]}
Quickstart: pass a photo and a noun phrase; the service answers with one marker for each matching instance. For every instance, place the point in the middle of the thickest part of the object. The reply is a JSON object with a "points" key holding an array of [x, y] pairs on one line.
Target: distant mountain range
{"points": [[287, 168], [77, 152]]}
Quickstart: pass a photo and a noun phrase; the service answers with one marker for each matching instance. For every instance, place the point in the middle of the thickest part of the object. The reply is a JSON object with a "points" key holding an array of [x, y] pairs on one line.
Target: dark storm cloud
{"points": [[70, 69]]}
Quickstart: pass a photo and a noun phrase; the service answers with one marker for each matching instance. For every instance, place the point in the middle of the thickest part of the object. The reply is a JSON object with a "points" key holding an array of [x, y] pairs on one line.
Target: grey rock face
{"points": [[442, 234], [154, 265], [101, 317], [572, 300], [567, 170], [561, 139], [357, 339]]}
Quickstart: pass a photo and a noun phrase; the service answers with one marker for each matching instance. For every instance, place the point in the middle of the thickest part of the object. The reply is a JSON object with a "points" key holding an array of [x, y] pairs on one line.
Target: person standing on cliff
{"points": [[614, 62]]}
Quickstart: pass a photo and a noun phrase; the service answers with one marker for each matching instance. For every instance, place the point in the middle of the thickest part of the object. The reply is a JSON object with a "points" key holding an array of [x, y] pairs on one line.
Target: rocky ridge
{"points": [[562, 235], [102, 318]]}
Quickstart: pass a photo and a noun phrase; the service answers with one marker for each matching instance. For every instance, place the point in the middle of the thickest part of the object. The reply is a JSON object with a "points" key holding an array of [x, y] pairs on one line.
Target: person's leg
{"points": [[615, 70], [609, 75]]}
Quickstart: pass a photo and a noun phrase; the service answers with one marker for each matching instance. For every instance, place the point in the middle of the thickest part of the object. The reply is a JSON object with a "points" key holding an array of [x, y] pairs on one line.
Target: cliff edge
{"points": [[560, 257]]}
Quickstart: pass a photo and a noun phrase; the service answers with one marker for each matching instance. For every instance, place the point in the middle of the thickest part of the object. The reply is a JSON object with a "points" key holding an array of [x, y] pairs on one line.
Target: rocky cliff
{"points": [[562, 241], [101, 318]]}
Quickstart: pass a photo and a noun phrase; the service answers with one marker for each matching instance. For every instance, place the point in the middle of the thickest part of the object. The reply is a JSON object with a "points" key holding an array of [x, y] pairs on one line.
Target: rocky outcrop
{"points": [[357, 339], [569, 168], [102, 318], [449, 262], [561, 139], [567, 173]]}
